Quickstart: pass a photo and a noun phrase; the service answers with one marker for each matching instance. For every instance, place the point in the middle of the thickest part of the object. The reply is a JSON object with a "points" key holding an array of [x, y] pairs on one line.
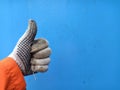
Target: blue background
{"points": [[84, 36]]}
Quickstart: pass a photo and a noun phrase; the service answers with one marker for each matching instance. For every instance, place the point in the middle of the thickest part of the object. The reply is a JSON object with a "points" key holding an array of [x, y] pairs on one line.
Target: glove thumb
{"points": [[30, 33]]}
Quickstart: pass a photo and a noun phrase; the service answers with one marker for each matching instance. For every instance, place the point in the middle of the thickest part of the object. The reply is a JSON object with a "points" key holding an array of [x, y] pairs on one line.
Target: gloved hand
{"points": [[22, 52]]}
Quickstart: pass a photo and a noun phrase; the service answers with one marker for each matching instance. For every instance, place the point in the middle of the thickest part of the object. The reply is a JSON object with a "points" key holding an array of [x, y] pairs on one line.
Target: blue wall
{"points": [[84, 36]]}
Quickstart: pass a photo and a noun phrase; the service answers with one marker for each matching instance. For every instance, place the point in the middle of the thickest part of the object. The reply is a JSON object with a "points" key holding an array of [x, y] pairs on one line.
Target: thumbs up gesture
{"points": [[31, 55]]}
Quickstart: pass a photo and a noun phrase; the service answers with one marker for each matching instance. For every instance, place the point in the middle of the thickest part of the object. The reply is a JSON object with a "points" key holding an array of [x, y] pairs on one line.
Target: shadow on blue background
{"points": [[84, 36]]}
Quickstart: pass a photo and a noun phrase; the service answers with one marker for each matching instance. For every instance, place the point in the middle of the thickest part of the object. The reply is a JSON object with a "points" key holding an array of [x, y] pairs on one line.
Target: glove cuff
{"points": [[19, 62]]}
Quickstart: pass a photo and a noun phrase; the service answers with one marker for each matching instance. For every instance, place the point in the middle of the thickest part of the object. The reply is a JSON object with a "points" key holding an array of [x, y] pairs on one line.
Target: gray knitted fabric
{"points": [[21, 53]]}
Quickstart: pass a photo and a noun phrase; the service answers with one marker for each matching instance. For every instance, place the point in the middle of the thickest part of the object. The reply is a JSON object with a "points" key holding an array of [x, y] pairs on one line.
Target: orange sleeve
{"points": [[11, 77]]}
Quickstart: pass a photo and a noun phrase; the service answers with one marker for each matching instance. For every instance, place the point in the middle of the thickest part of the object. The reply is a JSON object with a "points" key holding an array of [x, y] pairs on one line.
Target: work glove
{"points": [[26, 52]]}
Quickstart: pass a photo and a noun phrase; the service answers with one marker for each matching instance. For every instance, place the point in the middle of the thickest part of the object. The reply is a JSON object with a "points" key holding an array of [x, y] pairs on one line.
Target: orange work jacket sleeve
{"points": [[11, 77]]}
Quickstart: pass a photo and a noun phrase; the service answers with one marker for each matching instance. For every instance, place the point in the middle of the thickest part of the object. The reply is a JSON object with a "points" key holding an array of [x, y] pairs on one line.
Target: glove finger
{"points": [[39, 68], [42, 53], [44, 61], [38, 45]]}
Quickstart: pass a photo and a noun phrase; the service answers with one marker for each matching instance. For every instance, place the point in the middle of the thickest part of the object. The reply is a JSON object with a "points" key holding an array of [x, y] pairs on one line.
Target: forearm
{"points": [[11, 77]]}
